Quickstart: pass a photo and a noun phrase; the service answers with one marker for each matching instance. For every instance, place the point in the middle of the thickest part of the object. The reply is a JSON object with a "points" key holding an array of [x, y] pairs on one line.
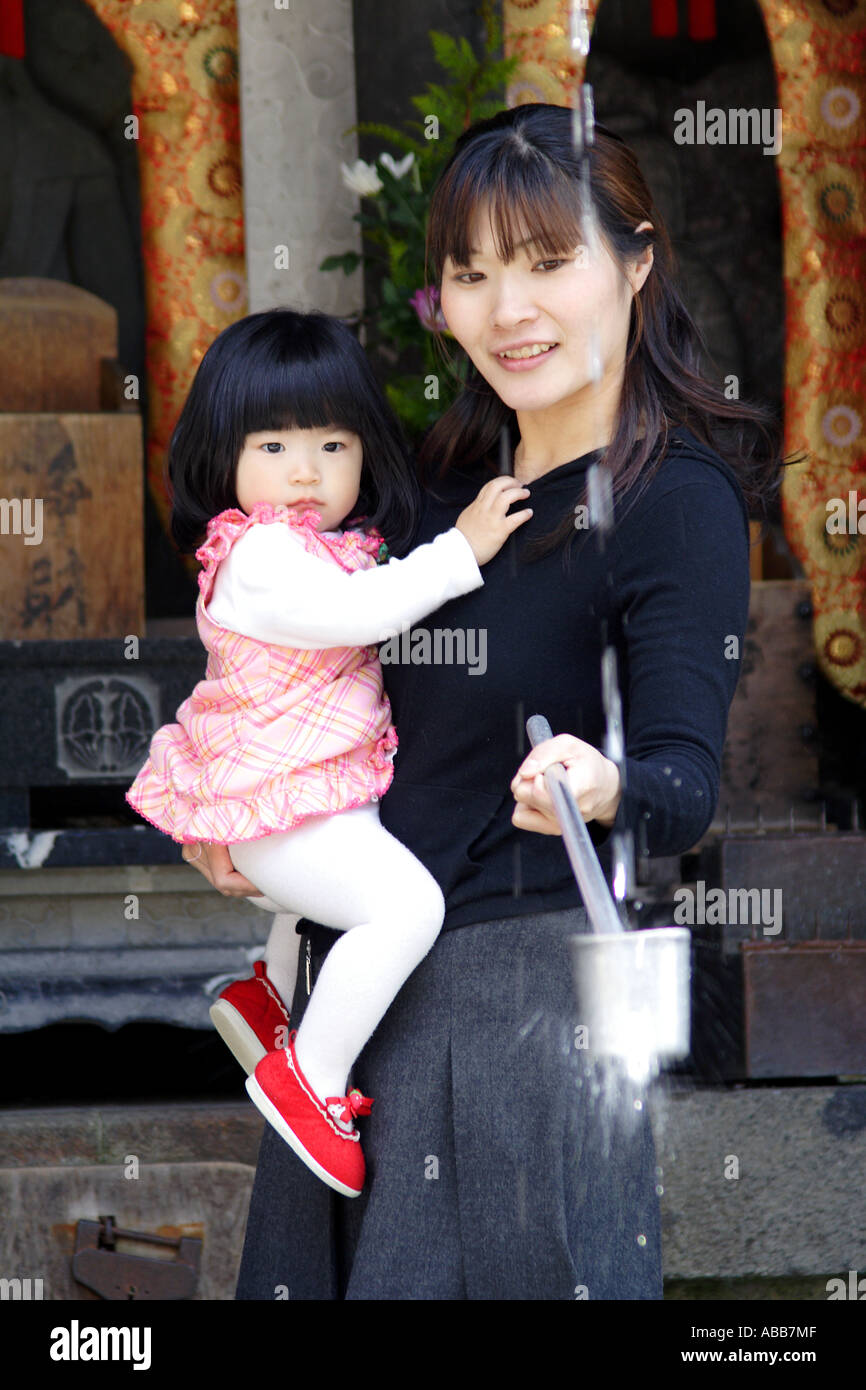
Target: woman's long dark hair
{"points": [[521, 163], [285, 370]]}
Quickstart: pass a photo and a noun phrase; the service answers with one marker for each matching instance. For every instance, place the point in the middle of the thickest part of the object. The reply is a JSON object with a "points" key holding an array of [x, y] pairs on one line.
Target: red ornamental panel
{"points": [[701, 22], [12, 28], [184, 55]]}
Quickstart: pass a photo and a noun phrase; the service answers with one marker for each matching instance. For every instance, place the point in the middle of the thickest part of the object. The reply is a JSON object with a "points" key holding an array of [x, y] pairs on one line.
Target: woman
{"points": [[494, 1170]]}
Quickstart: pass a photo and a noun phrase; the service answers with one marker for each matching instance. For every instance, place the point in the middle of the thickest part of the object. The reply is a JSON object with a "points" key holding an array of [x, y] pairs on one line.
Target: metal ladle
{"points": [[632, 987]]}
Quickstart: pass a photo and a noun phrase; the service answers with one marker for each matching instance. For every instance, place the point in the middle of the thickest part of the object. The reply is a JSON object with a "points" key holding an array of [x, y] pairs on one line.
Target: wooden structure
{"points": [[72, 510]]}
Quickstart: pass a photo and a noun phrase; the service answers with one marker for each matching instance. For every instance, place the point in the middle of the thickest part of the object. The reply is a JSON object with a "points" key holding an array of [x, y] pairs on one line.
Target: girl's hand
{"points": [[484, 523], [593, 778], [215, 863]]}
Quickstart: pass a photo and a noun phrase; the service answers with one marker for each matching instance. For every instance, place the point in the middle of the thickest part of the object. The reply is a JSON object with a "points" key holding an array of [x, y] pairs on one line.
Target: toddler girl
{"points": [[283, 449]]}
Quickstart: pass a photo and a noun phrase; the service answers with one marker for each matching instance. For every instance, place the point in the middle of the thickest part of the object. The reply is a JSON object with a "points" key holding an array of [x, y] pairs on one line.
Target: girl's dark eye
{"points": [[272, 446], [333, 444]]}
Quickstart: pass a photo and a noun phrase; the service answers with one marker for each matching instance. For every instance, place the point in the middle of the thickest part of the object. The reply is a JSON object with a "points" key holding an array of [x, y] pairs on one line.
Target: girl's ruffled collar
{"points": [[224, 530]]}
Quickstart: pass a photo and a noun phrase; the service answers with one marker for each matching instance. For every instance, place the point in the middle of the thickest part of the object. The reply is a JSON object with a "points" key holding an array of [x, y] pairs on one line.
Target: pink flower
{"points": [[426, 305]]}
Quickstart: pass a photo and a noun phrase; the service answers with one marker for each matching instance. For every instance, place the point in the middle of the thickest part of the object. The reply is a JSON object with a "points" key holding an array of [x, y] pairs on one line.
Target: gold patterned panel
{"points": [[185, 95], [539, 31], [818, 49]]}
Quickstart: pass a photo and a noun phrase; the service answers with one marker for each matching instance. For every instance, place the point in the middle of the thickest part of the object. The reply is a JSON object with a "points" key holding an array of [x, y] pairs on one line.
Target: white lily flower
{"points": [[362, 179], [397, 167]]}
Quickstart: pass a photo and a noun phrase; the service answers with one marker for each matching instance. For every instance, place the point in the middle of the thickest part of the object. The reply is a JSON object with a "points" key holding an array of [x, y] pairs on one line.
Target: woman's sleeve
{"points": [[271, 588], [684, 583]]}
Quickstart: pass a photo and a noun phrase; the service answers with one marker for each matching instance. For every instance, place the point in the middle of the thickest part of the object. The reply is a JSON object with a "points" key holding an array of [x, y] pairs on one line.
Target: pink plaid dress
{"points": [[272, 735]]}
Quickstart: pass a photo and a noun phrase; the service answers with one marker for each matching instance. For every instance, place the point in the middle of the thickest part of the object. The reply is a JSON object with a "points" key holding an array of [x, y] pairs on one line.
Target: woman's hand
{"points": [[593, 778], [215, 863]]}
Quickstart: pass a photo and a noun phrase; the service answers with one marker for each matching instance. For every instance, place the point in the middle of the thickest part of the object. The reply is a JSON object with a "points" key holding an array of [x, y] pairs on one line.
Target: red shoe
{"points": [[321, 1133], [251, 1018]]}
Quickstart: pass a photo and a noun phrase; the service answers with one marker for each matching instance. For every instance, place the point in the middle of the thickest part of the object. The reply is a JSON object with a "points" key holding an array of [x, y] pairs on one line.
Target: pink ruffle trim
{"points": [[226, 529], [188, 821]]}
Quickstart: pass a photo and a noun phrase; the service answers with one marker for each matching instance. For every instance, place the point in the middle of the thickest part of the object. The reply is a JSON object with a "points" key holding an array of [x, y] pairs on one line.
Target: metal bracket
{"points": [[100, 1266]]}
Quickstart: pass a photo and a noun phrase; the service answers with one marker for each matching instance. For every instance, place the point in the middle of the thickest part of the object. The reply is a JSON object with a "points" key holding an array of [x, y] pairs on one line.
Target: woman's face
{"points": [[548, 306]]}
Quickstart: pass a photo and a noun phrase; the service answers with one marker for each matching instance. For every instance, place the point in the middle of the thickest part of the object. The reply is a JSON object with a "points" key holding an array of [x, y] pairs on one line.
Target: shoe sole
{"points": [[240, 1039], [274, 1118]]}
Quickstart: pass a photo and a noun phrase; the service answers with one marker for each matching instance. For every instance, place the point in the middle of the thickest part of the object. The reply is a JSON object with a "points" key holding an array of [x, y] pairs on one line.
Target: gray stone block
{"points": [[798, 1206]]}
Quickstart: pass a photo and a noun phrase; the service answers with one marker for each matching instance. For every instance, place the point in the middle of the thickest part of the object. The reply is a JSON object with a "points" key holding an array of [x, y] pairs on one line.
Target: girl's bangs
{"points": [[304, 395]]}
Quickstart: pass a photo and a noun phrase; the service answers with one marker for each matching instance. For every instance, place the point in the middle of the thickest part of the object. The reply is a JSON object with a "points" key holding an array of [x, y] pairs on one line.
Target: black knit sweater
{"points": [[670, 589]]}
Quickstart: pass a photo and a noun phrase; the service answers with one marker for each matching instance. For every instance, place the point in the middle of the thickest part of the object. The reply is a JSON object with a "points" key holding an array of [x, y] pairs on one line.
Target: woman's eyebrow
{"points": [[476, 250], [518, 245]]}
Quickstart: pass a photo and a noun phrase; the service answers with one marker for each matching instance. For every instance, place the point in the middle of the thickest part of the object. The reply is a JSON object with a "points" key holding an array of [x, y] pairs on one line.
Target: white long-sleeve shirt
{"points": [[271, 588]]}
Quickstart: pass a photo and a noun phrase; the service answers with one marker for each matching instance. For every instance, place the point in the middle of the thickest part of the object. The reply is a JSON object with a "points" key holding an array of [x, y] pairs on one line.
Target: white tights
{"points": [[348, 872]]}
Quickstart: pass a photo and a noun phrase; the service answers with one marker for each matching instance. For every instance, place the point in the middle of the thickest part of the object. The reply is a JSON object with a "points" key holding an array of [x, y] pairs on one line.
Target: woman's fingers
{"points": [[225, 876], [564, 748], [527, 818], [584, 769], [215, 863], [534, 802], [194, 856]]}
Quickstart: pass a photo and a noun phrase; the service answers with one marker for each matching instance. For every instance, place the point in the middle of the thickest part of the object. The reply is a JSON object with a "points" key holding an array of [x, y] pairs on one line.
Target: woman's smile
{"points": [[525, 356]]}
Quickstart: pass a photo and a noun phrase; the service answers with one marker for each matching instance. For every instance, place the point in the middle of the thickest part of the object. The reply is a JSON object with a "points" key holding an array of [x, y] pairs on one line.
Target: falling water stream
{"points": [[615, 1087]]}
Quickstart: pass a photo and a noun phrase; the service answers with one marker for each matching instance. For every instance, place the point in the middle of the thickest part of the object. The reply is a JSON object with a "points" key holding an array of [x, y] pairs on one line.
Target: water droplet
{"points": [[659, 1190], [641, 1240], [638, 1105]]}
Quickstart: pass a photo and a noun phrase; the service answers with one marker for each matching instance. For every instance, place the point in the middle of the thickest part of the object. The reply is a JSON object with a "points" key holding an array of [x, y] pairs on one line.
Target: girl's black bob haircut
{"points": [[281, 369]]}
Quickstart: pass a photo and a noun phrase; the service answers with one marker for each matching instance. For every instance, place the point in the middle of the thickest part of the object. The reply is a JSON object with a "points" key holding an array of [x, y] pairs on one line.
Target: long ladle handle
{"points": [[597, 897]]}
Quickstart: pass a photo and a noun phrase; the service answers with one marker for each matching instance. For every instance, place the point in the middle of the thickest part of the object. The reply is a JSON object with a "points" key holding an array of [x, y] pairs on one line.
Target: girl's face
{"points": [[540, 302], [316, 468]]}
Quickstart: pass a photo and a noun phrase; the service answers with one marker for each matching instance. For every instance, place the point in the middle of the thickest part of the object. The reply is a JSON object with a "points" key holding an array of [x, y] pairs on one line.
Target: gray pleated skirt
{"points": [[498, 1166]]}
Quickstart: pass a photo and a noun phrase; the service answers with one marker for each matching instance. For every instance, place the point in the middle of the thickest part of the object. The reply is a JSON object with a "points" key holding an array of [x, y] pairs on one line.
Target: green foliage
{"points": [[348, 262], [393, 220]]}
